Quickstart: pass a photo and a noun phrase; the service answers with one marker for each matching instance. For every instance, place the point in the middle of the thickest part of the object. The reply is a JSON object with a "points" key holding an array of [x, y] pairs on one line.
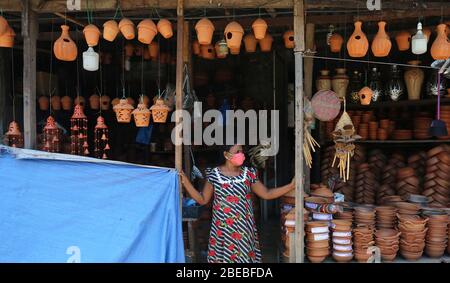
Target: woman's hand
{"points": [[292, 184], [183, 178]]}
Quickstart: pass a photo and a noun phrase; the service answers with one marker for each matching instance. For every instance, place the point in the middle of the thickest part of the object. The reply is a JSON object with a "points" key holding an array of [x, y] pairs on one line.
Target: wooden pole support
{"points": [[179, 89]]}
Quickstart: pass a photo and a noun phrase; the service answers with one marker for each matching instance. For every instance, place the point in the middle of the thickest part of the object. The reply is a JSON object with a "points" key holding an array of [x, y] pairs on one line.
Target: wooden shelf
{"points": [[398, 104]]}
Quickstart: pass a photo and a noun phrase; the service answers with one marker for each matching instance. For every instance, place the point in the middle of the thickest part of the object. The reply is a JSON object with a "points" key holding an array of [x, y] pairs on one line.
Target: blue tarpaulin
{"points": [[62, 208]]}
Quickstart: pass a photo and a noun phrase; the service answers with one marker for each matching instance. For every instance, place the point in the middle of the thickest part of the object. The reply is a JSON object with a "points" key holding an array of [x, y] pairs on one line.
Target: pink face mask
{"points": [[237, 159]]}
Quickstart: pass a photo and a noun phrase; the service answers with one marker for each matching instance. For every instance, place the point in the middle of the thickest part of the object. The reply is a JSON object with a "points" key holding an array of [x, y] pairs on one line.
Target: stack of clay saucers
{"points": [[412, 239], [317, 240], [386, 217], [342, 240], [365, 216], [362, 240], [437, 235], [388, 242]]}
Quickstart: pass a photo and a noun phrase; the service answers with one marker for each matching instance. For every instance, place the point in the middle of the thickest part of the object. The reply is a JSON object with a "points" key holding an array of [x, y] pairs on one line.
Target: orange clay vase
{"points": [[205, 30], [381, 44], [358, 44], [196, 47], [159, 111], [365, 95], [146, 31], [440, 50], [126, 27], [265, 44], [64, 48], [3, 25], [7, 39], [259, 27], [141, 115], [336, 41], [250, 43], [123, 111], [403, 40], [91, 34], [207, 52], [110, 30], [233, 34], [164, 27], [288, 38]]}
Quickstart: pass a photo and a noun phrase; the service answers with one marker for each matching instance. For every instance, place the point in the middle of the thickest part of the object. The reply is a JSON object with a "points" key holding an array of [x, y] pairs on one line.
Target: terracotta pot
{"points": [[196, 47], [56, 102], [110, 30], [365, 95], [323, 82], [91, 34], [259, 27], [64, 48], [207, 52], [387, 234], [403, 40], [153, 49], [440, 50], [381, 44], [7, 38], [94, 102], [129, 50], [164, 27], [104, 102], [288, 38], [358, 44], [44, 103], [317, 252], [123, 111], [414, 80], [205, 30], [340, 82], [265, 44], [434, 252], [146, 31], [233, 34], [318, 244], [141, 115], [159, 111], [3, 25], [66, 103], [250, 43], [336, 41], [126, 27], [316, 259]]}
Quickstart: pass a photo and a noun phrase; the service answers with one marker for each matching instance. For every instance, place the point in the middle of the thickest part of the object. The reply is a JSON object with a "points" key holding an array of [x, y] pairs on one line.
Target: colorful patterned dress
{"points": [[233, 237]]}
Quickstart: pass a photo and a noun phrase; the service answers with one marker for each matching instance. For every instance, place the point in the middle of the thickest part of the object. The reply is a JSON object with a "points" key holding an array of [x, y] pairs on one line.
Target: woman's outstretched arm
{"points": [[263, 192], [201, 198]]}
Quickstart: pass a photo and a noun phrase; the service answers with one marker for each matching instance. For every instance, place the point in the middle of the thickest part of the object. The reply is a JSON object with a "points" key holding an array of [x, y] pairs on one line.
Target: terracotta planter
{"points": [[110, 30], [159, 111], [196, 47], [66, 103], [381, 44], [123, 111], [64, 48], [336, 41], [250, 43], [164, 27], [7, 39], [265, 44], [403, 40], [141, 115], [56, 102], [104, 102], [146, 31], [44, 103], [340, 82], [3, 25], [358, 44], [323, 82], [94, 102], [288, 38], [205, 30], [259, 27], [365, 95], [440, 50], [91, 34], [126, 27], [221, 49], [414, 78], [153, 49], [233, 34]]}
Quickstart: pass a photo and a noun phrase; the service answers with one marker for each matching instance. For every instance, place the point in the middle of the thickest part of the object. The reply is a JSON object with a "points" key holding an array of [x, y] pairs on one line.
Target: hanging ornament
{"points": [[91, 60], [141, 114], [147, 30], [110, 30], [233, 34], [205, 29], [123, 111], [358, 44], [419, 41], [259, 27], [336, 41], [159, 111], [64, 48], [440, 50], [221, 49], [104, 102], [7, 39], [365, 95], [55, 101], [164, 27], [126, 27], [78, 132], [101, 139], [403, 40], [381, 44], [66, 102], [326, 105], [91, 34], [250, 43], [288, 38], [51, 141], [14, 137]]}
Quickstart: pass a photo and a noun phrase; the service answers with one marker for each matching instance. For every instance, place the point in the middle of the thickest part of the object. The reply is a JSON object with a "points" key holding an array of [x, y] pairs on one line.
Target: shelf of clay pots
{"points": [[402, 103]]}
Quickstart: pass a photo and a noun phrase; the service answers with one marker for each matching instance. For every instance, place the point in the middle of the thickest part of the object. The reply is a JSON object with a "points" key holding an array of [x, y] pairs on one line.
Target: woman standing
{"points": [[233, 236]]}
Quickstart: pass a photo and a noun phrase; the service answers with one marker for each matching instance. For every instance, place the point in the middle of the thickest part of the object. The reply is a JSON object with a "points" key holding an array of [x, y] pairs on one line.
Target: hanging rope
{"points": [[101, 82], [123, 69], [78, 68], [159, 72], [50, 90], [13, 85], [142, 73]]}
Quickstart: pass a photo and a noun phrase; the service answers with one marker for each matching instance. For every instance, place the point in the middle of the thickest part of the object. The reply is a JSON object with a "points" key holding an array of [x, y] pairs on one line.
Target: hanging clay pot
{"points": [[80, 100], [358, 44], [110, 30], [221, 49], [233, 34], [56, 102], [440, 50], [66, 103], [207, 52], [259, 27], [414, 78], [146, 31], [159, 111], [64, 48], [323, 82], [288, 38], [196, 47], [336, 41], [44, 103], [129, 50], [340, 83], [235, 51], [3, 25], [403, 40], [205, 29], [91, 34], [164, 27], [141, 115], [7, 39], [123, 111], [265, 44], [153, 49], [381, 44], [104, 102], [94, 102], [250, 43], [365, 95], [126, 27], [115, 101], [91, 60]]}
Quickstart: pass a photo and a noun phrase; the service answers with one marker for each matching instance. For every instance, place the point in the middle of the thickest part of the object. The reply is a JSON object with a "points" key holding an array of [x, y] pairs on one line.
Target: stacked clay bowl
{"points": [[388, 242], [437, 177], [402, 134], [407, 182], [386, 217], [373, 130], [342, 240], [445, 116], [391, 200], [421, 127], [362, 240], [365, 216], [412, 239], [344, 215], [323, 192], [437, 235], [317, 241], [363, 131], [407, 208], [366, 184]]}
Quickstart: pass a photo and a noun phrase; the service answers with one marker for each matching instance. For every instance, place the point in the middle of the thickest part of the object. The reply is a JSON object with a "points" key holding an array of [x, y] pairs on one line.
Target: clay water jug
{"points": [[323, 82], [414, 78], [340, 82], [205, 30], [440, 50], [259, 27], [233, 34], [64, 48], [381, 44], [358, 44]]}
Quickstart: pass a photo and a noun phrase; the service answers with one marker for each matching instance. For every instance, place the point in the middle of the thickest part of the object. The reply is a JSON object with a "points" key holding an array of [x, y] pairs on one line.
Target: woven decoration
{"points": [[51, 136], [78, 132], [101, 139], [326, 105]]}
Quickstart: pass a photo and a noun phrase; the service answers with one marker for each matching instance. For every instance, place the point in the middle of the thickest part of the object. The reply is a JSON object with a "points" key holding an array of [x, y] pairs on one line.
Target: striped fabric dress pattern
{"points": [[233, 237]]}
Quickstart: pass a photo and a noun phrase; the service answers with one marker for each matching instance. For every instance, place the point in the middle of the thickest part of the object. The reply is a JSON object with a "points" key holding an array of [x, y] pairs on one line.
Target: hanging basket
{"points": [[110, 30], [123, 111], [250, 43], [205, 30], [64, 48], [358, 44], [265, 44], [288, 38], [7, 39], [146, 31], [164, 27], [91, 34], [141, 115], [159, 111], [126, 27], [259, 27], [233, 35]]}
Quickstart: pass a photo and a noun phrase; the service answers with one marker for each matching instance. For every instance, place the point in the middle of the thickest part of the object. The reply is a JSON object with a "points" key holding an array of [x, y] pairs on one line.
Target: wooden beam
{"points": [[299, 37], [29, 32], [70, 19], [179, 87], [309, 45]]}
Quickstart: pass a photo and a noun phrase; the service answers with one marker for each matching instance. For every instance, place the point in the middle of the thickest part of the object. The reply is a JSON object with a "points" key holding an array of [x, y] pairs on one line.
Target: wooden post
{"points": [[30, 28], [3, 90], [299, 38], [179, 88], [187, 62]]}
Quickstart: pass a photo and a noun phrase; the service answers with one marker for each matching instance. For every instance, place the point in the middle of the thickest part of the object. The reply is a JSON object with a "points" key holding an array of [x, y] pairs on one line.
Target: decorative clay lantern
{"points": [[141, 115], [159, 111], [14, 137], [123, 111], [101, 139], [51, 136], [78, 132]]}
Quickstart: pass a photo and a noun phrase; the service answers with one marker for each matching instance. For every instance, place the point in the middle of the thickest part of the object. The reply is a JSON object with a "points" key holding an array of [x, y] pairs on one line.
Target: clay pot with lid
{"points": [[440, 50], [250, 43], [91, 34], [205, 29], [233, 34], [336, 41], [147, 30], [265, 44], [126, 27], [123, 111], [403, 40], [288, 38], [7, 39], [358, 44], [323, 82], [381, 44], [164, 27], [110, 30], [259, 27], [64, 48]]}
